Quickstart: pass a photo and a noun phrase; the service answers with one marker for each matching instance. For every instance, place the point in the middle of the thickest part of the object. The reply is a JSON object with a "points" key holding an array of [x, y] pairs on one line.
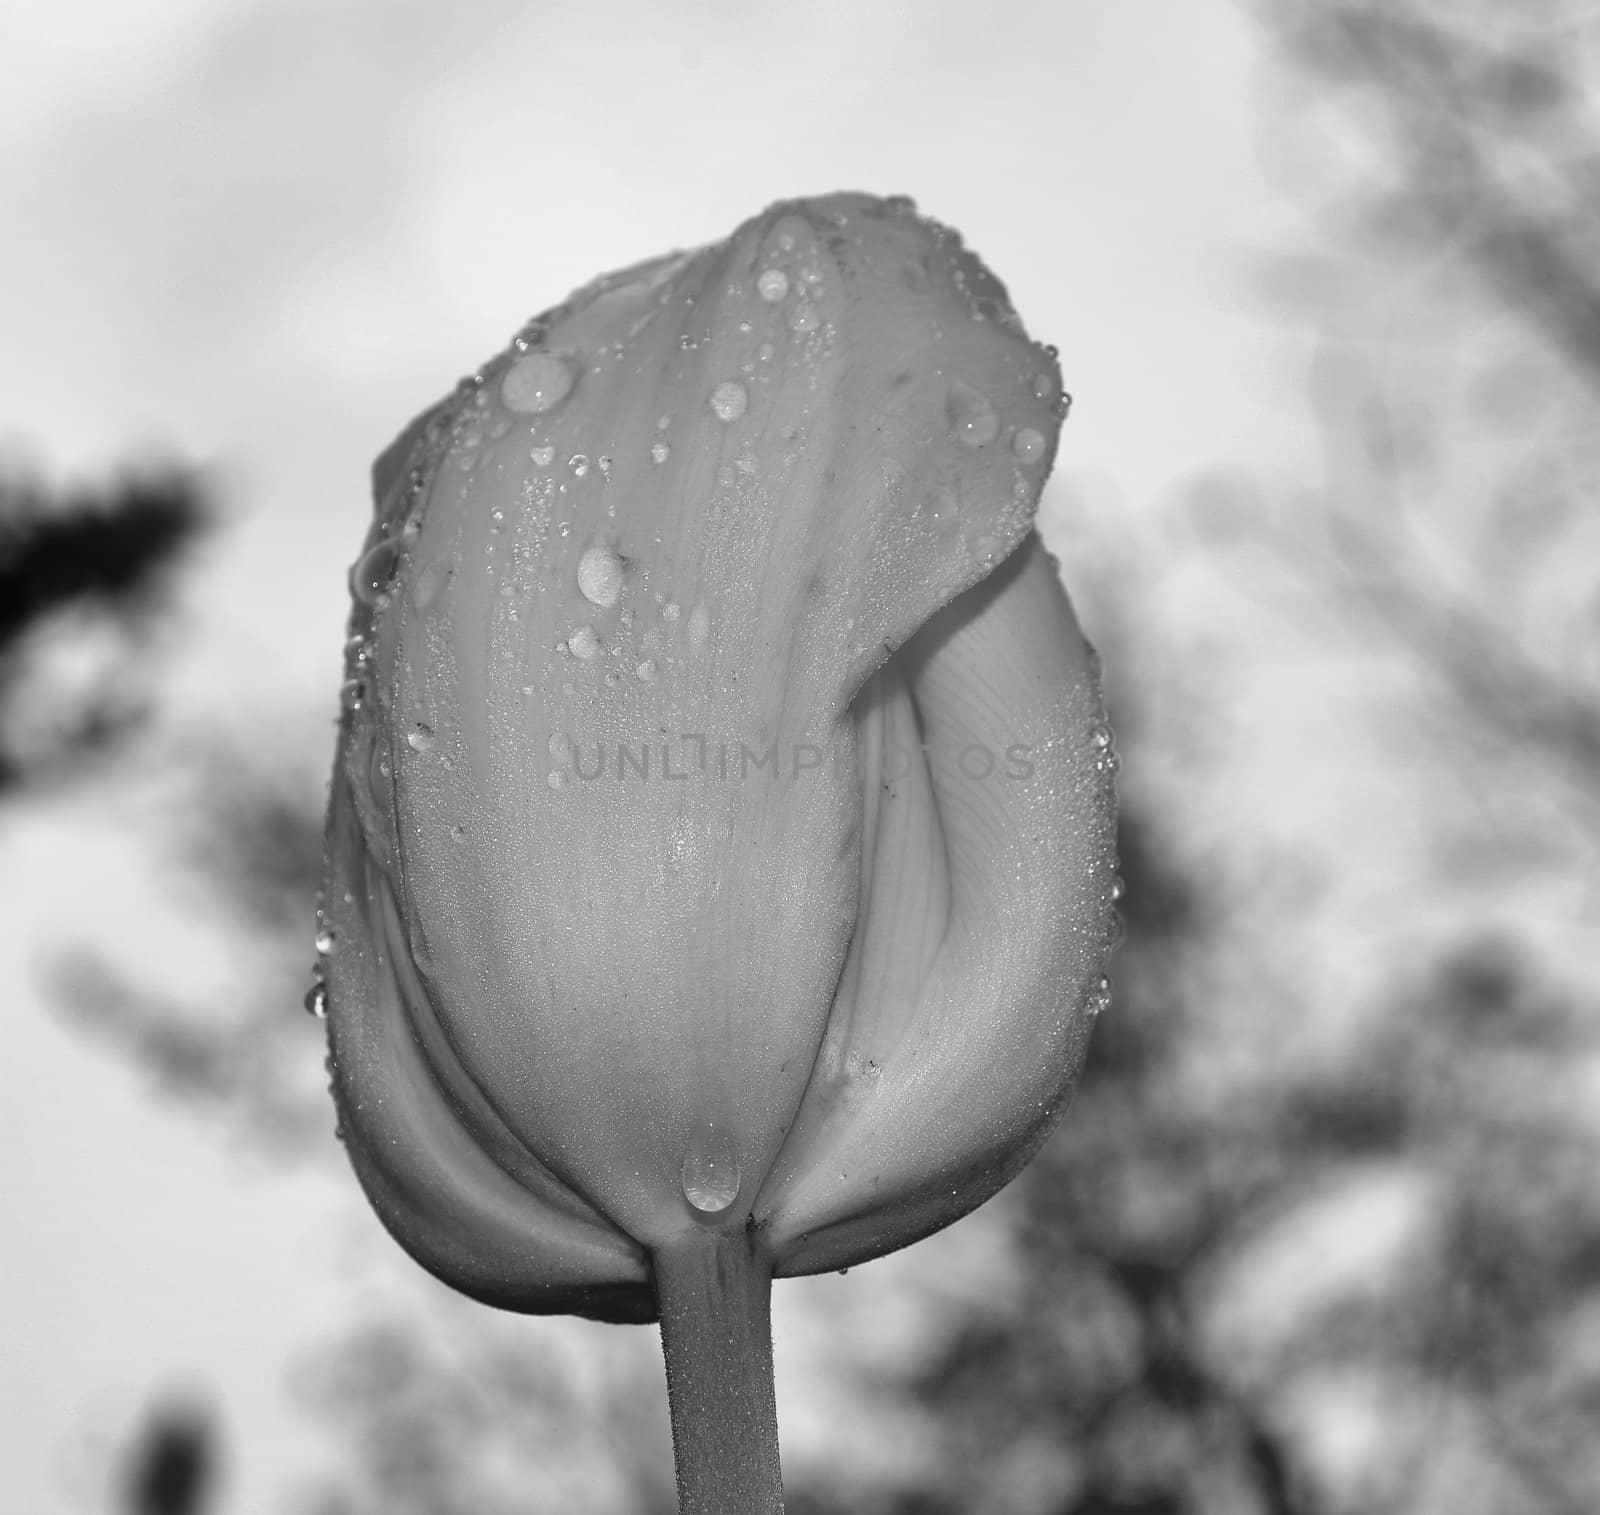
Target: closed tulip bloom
{"points": [[720, 849]]}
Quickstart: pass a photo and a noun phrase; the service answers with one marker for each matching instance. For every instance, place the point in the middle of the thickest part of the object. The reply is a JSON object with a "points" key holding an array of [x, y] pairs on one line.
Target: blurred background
{"points": [[1321, 1231]]}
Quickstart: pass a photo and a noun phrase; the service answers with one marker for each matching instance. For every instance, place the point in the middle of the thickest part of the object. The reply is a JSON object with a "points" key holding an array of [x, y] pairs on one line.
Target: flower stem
{"points": [[715, 1293]]}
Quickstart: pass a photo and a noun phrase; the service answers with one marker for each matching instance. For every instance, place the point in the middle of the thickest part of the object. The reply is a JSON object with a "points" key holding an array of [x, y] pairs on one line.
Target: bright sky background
{"points": [[264, 236]]}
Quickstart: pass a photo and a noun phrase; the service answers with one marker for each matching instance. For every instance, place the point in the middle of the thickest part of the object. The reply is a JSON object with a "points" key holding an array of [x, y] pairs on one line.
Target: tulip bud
{"points": [[720, 843]]}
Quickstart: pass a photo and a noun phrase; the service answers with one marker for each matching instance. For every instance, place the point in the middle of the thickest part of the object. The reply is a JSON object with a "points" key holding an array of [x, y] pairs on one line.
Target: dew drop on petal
{"points": [[316, 1000], [660, 453], [543, 457], [426, 590], [583, 643], [773, 285], [699, 625], [536, 383], [970, 415], [325, 940], [728, 400], [557, 747], [579, 464], [711, 1171], [670, 611], [600, 574], [1028, 445], [372, 575], [421, 738]]}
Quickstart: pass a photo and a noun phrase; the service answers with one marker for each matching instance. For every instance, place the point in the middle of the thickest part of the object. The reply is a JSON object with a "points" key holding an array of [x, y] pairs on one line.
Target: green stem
{"points": [[715, 1292]]}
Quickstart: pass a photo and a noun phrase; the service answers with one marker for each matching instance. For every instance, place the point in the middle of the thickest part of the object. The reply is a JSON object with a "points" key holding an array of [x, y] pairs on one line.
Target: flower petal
{"points": [[974, 973]]}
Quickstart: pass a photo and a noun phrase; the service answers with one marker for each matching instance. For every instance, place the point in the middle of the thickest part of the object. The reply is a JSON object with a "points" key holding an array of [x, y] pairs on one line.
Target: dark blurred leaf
{"points": [[85, 575]]}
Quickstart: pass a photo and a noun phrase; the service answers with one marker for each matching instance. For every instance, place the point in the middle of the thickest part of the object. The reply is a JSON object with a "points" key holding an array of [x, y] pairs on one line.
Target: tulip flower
{"points": [[720, 849]]}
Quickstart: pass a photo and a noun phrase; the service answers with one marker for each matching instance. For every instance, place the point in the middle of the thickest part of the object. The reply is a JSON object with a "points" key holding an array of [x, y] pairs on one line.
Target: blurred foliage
{"points": [[1261, 1269], [172, 1468], [85, 580]]}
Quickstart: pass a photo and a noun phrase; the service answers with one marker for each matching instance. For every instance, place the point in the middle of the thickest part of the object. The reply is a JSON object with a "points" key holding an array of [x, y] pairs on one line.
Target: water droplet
{"points": [[1102, 737], [543, 457], [728, 400], [557, 747], [1099, 997], [579, 464], [711, 1171], [604, 465], [699, 625], [429, 582], [1118, 887], [647, 670], [583, 643], [316, 1000], [325, 940], [372, 575], [421, 738], [1044, 386], [803, 318], [1028, 445], [538, 382], [660, 453], [970, 415], [773, 285], [600, 575], [556, 779], [670, 611], [352, 693]]}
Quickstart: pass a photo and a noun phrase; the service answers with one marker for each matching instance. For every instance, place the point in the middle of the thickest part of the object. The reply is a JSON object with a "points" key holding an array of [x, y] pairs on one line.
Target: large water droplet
{"points": [[1028, 445], [729, 399], [970, 415], [429, 582], [372, 575], [711, 1171], [699, 625], [600, 575], [583, 643], [773, 285], [316, 1000], [536, 383], [325, 940], [421, 738]]}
